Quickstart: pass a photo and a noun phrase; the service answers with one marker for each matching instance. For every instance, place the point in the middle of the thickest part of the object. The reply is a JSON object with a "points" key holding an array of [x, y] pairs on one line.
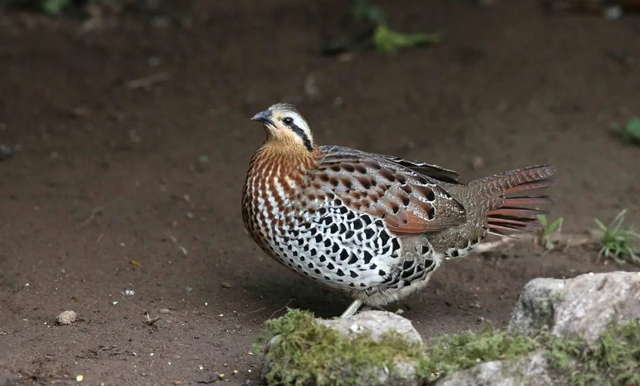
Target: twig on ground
{"points": [[95, 211], [503, 243], [147, 81], [283, 307], [149, 320], [252, 312], [175, 241], [562, 241]]}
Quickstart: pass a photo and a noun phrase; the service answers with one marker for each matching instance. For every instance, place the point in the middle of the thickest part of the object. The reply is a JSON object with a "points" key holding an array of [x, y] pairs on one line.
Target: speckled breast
{"points": [[315, 234]]}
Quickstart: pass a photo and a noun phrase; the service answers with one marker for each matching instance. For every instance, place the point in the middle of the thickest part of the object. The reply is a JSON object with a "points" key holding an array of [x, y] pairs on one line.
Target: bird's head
{"points": [[286, 128]]}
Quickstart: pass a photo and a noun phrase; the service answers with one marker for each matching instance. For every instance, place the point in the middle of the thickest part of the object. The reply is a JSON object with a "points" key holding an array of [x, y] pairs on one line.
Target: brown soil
{"points": [[120, 187]]}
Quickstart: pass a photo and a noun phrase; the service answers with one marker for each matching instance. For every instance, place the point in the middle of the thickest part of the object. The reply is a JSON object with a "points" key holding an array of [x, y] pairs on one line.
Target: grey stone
{"points": [[583, 305], [376, 323], [67, 317], [403, 374], [531, 370]]}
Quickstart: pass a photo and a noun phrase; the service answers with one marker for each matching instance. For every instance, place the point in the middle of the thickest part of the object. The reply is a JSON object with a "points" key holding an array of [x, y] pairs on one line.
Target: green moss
{"points": [[614, 359], [303, 352], [456, 352]]}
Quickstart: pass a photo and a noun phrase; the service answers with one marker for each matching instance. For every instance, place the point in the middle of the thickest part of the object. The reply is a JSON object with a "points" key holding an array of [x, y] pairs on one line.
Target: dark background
{"points": [[134, 136]]}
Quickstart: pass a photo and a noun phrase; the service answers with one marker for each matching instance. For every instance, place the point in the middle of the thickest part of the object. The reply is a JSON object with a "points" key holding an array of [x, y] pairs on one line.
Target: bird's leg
{"points": [[353, 308]]}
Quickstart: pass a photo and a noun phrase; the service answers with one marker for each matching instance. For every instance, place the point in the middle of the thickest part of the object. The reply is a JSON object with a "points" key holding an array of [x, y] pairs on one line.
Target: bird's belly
{"points": [[333, 245]]}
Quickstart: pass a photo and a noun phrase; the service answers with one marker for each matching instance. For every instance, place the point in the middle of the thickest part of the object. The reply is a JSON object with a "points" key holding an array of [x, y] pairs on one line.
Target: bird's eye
{"points": [[288, 120]]}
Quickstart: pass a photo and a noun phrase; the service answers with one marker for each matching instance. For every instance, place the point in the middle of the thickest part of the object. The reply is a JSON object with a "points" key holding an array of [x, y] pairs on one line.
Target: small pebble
{"points": [[164, 311], [67, 317], [134, 137], [225, 284], [6, 152], [480, 320], [356, 328], [477, 163], [613, 12]]}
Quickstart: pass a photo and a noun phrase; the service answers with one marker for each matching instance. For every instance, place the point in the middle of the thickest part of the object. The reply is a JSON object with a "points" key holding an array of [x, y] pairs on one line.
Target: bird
{"points": [[373, 226]]}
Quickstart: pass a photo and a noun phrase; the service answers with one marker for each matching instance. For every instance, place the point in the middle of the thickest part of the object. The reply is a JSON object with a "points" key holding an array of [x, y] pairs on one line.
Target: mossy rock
{"points": [[585, 305], [299, 350]]}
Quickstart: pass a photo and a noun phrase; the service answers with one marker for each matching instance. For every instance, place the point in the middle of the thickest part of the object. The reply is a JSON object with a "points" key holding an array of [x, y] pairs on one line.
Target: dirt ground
{"points": [[134, 141]]}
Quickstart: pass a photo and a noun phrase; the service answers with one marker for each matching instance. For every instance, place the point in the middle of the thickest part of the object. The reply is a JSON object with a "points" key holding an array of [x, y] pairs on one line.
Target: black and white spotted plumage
{"points": [[335, 223]]}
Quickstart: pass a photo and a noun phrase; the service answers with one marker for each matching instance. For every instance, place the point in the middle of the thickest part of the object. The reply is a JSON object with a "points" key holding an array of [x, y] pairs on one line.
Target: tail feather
{"points": [[507, 210], [499, 230], [528, 186], [508, 214], [511, 220], [526, 200]]}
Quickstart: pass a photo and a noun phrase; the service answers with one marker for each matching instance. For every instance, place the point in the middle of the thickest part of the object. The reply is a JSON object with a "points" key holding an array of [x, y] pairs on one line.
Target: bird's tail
{"points": [[507, 213]]}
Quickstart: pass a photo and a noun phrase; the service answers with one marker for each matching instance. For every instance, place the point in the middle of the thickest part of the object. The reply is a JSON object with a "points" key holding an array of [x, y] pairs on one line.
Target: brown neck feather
{"points": [[288, 158]]}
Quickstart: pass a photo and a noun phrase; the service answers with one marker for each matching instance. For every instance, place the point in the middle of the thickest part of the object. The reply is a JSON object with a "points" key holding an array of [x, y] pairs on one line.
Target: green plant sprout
{"points": [[629, 132], [48, 7], [388, 41], [363, 10], [385, 39], [548, 229], [618, 242]]}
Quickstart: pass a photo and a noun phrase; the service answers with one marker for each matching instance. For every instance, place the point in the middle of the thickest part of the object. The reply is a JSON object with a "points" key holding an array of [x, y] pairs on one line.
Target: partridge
{"points": [[374, 226]]}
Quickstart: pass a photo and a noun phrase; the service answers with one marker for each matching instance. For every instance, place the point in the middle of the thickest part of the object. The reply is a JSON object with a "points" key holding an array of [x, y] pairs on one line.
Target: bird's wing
{"points": [[409, 202], [434, 171]]}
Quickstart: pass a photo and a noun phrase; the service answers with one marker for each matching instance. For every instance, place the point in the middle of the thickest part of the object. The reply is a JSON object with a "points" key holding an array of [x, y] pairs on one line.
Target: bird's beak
{"points": [[264, 117]]}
